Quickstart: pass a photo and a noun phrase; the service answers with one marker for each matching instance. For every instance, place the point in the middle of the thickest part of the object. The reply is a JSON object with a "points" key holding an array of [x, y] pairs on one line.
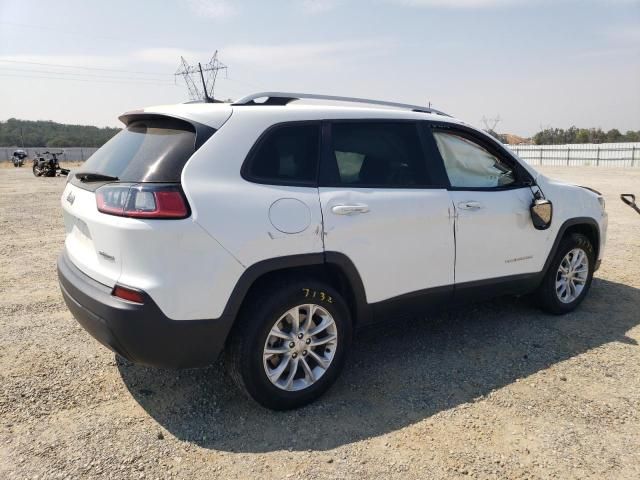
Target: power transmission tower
{"points": [[490, 124], [201, 79]]}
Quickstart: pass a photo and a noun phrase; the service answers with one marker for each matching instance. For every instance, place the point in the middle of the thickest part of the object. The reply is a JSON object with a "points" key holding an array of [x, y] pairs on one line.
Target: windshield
{"points": [[152, 150]]}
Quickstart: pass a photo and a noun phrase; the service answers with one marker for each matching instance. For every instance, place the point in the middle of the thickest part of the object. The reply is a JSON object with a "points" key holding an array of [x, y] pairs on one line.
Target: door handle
{"points": [[350, 209], [470, 205]]}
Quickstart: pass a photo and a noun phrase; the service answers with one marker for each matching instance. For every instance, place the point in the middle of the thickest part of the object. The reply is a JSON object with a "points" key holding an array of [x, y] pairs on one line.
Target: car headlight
{"points": [[602, 203]]}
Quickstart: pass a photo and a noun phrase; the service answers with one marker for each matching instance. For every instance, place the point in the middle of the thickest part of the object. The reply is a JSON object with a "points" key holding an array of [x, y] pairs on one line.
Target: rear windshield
{"points": [[152, 150]]}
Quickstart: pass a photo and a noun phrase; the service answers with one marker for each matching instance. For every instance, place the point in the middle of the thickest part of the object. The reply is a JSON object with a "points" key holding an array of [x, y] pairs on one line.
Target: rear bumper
{"points": [[139, 333]]}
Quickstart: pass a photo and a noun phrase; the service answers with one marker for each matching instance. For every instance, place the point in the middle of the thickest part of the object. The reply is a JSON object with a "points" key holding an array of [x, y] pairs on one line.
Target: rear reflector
{"points": [[151, 200], [128, 294]]}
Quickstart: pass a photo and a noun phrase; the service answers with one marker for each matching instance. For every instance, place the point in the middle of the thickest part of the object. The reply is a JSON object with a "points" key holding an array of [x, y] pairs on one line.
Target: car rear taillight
{"points": [[143, 200], [128, 294]]}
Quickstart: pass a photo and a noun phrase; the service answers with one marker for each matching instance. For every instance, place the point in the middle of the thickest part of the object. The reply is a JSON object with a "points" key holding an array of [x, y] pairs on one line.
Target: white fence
{"points": [[582, 154]]}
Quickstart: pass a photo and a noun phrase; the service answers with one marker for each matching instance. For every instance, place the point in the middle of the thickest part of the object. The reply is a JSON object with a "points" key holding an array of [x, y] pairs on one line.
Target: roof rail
{"points": [[283, 98]]}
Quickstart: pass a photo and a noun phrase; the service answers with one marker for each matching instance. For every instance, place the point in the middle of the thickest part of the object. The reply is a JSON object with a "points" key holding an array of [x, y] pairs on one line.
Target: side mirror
{"points": [[541, 213]]}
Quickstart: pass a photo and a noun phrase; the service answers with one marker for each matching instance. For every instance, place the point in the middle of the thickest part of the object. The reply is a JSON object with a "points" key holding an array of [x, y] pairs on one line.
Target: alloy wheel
{"points": [[300, 347], [572, 275]]}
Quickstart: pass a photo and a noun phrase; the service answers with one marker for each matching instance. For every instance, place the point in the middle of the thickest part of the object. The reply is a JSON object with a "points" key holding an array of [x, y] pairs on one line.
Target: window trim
{"points": [[246, 164], [327, 154], [523, 177]]}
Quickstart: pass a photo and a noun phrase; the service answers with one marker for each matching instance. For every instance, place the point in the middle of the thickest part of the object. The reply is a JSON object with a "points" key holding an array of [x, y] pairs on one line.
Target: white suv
{"points": [[272, 231]]}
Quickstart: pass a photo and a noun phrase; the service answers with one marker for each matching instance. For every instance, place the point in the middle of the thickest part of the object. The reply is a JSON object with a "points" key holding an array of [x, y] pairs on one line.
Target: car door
{"points": [[491, 194], [381, 209]]}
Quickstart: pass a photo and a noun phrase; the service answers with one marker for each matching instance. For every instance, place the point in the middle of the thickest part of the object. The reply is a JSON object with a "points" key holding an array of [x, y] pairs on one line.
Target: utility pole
{"points": [[207, 73]]}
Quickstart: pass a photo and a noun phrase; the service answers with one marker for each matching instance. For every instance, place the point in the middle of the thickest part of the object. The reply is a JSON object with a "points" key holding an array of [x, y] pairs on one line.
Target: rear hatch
{"points": [[126, 186]]}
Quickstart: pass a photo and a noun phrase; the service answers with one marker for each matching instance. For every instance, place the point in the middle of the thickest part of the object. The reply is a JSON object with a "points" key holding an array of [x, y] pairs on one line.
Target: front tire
{"points": [[289, 343], [569, 276]]}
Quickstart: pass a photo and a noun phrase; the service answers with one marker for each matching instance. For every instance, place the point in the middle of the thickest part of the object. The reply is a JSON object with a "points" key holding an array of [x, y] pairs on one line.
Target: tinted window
{"points": [[471, 165], [145, 151], [287, 154], [376, 154]]}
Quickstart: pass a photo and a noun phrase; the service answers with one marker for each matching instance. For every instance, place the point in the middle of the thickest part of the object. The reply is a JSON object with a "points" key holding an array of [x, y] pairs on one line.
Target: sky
{"points": [[533, 63]]}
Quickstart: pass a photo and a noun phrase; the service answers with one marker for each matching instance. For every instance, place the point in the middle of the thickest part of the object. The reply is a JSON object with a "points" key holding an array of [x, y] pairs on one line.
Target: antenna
{"points": [[207, 73]]}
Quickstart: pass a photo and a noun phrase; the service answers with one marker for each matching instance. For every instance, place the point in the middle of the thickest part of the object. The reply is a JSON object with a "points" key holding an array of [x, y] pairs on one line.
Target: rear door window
{"points": [[286, 155], [154, 150], [375, 154]]}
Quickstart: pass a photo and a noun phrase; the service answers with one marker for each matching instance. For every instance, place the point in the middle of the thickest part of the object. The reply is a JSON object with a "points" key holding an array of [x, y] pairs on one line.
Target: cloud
{"points": [[318, 6], [458, 3], [625, 34], [629, 52], [216, 9], [475, 4], [301, 54]]}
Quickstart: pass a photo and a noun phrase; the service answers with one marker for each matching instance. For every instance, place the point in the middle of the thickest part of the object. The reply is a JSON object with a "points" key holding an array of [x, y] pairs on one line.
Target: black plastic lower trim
{"points": [[495, 287], [412, 304], [140, 333], [255, 271], [572, 222]]}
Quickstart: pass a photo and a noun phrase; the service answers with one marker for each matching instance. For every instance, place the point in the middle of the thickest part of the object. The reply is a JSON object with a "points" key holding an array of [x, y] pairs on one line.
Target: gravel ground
{"points": [[492, 390]]}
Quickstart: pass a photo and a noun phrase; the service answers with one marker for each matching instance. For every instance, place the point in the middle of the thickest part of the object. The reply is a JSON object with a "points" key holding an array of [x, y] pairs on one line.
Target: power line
{"points": [[214, 65], [83, 67], [115, 77], [97, 80]]}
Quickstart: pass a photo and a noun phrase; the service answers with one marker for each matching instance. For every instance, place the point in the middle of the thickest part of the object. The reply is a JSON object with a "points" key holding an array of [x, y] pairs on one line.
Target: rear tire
{"points": [[315, 359], [36, 171], [568, 279]]}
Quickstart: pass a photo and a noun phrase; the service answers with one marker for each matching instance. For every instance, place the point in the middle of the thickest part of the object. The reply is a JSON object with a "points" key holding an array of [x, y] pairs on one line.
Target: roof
{"points": [[284, 107]]}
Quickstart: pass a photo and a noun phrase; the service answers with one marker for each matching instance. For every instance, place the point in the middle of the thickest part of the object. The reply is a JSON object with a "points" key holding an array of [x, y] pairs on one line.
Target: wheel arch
{"points": [[585, 225], [332, 267]]}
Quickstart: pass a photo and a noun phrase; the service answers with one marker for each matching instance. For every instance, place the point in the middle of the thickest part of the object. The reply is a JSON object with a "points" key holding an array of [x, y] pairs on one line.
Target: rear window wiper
{"points": [[94, 177]]}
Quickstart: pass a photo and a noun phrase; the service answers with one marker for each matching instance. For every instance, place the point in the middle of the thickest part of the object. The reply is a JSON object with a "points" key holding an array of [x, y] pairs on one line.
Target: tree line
{"points": [[44, 133], [560, 136], [41, 133]]}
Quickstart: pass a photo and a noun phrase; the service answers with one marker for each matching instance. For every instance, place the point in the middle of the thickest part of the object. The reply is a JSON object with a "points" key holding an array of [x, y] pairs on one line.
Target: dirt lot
{"points": [[493, 390]]}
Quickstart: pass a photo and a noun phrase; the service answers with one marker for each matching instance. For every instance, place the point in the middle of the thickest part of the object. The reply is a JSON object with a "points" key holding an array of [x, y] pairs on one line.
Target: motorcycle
{"points": [[47, 165], [18, 158]]}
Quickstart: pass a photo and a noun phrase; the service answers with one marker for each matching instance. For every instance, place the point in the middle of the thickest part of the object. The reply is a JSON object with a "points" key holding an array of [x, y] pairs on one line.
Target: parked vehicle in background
{"points": [[47, 164], [18, 158], [271, 231]]}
